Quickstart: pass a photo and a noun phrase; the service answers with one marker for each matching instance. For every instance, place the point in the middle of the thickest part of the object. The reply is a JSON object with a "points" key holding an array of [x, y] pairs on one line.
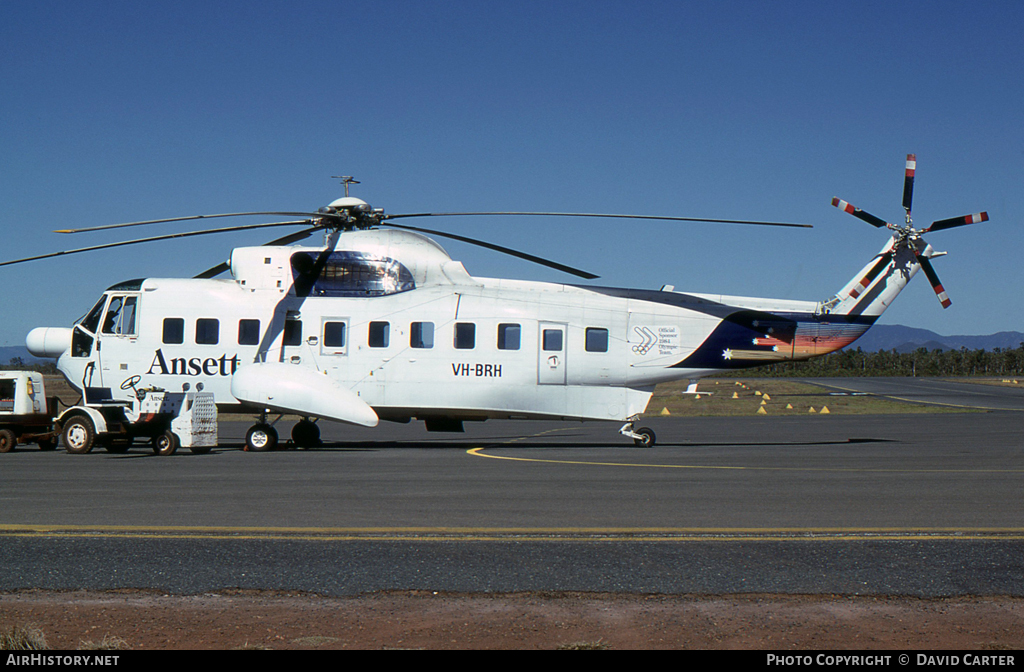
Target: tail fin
{"points": [[871, 291]]}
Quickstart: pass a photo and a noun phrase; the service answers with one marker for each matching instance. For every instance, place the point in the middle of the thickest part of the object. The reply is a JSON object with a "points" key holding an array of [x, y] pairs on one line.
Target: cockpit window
{"points": [[91, 322], [113, 312], [120, 317], [349, 274]]}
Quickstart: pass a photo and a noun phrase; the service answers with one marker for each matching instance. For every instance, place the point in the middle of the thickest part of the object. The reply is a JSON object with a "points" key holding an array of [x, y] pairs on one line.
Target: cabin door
{"points": [[552, 348], [334, 338]]}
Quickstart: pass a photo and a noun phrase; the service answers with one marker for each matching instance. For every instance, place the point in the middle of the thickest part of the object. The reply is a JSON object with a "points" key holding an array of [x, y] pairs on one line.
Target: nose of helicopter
{"points": [[48, 341]]}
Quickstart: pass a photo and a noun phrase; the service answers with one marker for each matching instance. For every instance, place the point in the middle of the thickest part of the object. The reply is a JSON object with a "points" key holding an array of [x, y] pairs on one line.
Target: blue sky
{"points": [[119, 111]]}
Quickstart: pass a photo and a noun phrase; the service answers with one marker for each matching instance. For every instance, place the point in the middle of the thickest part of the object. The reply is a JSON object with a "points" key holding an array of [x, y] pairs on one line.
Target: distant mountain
{"points": [[907, 339], [9, 353]]}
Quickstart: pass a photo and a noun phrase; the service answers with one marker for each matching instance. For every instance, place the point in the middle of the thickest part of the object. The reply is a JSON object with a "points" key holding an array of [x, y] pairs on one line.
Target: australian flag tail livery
{"points": [[755, 334]]}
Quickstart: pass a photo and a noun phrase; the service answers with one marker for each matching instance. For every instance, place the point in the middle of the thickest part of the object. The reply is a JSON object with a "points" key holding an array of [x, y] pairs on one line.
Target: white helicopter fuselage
{"points": [[380, 323], [389, 322]]}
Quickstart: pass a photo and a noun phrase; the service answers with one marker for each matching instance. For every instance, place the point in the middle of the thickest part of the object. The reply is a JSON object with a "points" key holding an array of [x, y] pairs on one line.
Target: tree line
{"points": [[999, 362]]}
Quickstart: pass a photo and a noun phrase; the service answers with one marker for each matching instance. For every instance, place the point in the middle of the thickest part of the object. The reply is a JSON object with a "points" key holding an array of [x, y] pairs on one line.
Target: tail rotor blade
{"points": [[926, 266], [954, 222], [908, 181], [858, 213]]}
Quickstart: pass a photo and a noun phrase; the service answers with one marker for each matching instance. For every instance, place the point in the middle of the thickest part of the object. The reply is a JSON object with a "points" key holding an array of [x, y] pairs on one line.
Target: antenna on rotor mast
{"points": [[345, 180]]}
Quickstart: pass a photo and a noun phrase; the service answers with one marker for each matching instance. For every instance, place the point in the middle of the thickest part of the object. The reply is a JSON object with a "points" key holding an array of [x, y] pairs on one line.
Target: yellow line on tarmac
{"points": [[478, 452], [607, 534]]}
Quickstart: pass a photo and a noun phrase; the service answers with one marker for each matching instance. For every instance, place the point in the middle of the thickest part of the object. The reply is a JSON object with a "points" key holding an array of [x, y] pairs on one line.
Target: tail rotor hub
{"points": [[907, 236]]}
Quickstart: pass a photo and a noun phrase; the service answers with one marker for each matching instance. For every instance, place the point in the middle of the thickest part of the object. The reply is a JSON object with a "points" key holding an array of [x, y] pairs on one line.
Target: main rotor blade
{"points": [[953, 222], [193, 217], [593, 214], [224, 266], [908, 181], [858, 213], [170, 236], [933, 278], [499, 248]]}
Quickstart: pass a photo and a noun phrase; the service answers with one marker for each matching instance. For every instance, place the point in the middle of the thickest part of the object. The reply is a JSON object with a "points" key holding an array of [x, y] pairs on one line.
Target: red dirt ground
{"points": [[141, 620]]}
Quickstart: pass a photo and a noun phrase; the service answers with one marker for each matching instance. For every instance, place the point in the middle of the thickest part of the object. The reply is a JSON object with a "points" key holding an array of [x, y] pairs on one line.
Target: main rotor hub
{"points": [[350, 203], [350, 213]]}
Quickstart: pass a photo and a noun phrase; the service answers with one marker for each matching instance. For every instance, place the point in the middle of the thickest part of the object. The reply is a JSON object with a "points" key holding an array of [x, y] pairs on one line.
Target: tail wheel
{"points": [[260, 438], [79, 435], [166, 443], [7, 441], [647, 437]]}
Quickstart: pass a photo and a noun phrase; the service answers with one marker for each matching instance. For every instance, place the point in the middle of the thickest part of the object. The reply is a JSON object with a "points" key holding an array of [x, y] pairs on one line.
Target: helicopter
{"points": [[380, 323]]}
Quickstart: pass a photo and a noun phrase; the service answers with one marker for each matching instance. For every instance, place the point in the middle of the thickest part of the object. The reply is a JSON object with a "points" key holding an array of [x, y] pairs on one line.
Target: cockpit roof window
{"points": [[349, 274], [127, 286]]}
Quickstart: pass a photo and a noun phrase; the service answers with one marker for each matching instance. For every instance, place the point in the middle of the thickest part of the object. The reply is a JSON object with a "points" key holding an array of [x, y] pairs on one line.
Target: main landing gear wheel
{"points": [[260, 438], [306, 434], [79, 435]]}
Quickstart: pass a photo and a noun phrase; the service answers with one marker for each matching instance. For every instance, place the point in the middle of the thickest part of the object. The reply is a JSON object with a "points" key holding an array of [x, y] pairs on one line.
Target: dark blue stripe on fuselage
{"points": [[732, 345]]}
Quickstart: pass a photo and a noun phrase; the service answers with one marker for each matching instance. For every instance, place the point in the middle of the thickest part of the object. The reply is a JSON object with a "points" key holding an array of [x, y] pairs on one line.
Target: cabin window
{"points": [[293, 332], [334, 334], [379, 335], [349, 274], [421, 335], [552, 339], [508, 336], [597, 339], [248, 332], [174, 330], [465, 336], [207, 331]]}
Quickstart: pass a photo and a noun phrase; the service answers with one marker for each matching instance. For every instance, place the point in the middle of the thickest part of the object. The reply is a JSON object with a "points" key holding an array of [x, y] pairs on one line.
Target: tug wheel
{"points": [[79, 435], [7, 441], [166, 443]]}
